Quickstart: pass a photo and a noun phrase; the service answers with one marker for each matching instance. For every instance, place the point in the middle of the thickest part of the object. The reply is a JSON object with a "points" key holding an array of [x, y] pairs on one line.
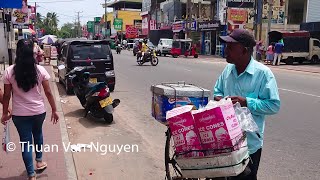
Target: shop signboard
{"points": [[117, 24], [237, 15], [145, 25], [178, 26], [97, 19], [90, 26], [192, 26], [153, 24], [278, 12], [21, 17], [237, 18], [240, 3], [209, 25], [131, 32], [10, 4]]}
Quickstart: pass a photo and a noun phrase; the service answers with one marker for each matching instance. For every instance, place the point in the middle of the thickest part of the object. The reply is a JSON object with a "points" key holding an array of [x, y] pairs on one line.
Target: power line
{"points": [[56, 12]]}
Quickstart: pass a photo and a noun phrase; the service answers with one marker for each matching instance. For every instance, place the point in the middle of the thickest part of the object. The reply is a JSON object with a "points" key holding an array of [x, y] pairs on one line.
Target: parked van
{"points": [[164, 46]]}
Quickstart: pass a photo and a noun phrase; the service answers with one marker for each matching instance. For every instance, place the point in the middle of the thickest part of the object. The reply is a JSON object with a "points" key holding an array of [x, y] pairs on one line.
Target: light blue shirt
{"points": [[258, 85]]}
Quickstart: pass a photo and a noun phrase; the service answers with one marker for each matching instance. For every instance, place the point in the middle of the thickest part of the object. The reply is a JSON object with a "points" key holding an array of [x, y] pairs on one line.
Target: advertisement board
{"points": [[21, 17], [131, 32]]}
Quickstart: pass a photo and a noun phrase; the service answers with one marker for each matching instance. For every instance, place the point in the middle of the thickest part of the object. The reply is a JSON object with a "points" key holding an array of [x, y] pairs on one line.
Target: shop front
{"points": [[193, 34], [209, 31], [179, 29]]}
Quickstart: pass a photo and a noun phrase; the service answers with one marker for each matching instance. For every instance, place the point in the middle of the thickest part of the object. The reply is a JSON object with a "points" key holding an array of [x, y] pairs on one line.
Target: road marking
{"points": [[307, 94], [188, 70]]}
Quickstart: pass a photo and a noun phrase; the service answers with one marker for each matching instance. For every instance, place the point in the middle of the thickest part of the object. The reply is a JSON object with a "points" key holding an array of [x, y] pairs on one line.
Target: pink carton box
{"points": [[218, 128], [183, 131]]}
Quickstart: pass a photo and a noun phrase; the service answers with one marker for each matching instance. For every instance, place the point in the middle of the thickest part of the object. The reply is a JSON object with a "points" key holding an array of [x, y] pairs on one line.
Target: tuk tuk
{"points": [[183, 47]]}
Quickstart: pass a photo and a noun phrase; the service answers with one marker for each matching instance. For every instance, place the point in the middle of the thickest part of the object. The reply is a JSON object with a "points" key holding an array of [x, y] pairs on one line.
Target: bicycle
{"points": [[173, 170]]}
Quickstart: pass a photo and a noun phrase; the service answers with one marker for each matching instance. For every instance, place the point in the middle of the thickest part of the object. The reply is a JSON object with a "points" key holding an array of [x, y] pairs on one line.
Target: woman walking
{"points": [[23, 80]]}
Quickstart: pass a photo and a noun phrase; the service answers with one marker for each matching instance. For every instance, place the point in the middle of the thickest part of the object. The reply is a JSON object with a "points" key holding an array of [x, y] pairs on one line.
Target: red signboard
{"points": [[153, 25], [145, 25], [131, 32], [178, 26]]}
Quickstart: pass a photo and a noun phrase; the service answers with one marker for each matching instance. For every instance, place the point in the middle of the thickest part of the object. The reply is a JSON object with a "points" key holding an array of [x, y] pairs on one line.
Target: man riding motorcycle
{"points": [[144, 49]]}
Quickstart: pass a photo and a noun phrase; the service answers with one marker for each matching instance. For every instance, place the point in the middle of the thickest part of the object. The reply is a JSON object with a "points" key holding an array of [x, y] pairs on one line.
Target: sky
{"points": [[67, 9]]}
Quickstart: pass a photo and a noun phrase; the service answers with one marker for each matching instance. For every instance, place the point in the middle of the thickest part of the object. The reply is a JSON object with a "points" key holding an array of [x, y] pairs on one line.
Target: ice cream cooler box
{"points": [[167, 96]]}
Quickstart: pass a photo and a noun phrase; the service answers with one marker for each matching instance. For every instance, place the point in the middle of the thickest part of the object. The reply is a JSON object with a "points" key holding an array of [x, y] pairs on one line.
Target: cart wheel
{"points": [[173, 172]]}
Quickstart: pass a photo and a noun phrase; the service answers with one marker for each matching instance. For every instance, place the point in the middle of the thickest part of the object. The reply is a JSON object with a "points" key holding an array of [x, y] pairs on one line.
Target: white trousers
{"points": [[275, 58]]}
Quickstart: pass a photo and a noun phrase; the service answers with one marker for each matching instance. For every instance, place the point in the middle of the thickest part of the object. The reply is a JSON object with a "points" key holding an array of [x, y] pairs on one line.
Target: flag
{"points": [[11, 4]]}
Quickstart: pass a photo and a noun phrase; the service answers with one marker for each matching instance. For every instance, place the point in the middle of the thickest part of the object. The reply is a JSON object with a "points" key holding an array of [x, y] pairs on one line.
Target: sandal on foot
{"points": [[40, 170], [32, 178], [44, 166]]}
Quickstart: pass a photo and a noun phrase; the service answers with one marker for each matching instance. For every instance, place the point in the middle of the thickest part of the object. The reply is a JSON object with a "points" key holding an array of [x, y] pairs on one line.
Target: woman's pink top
{"points": [[270, 49]]}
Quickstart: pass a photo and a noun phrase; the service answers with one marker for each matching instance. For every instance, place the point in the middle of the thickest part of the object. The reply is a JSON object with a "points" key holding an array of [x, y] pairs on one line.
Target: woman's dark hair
{"points": [[20, 44], [25, 69]]}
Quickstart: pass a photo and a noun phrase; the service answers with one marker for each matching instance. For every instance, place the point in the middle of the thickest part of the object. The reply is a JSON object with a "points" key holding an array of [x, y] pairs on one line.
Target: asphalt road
{"points": [[291, 137]]}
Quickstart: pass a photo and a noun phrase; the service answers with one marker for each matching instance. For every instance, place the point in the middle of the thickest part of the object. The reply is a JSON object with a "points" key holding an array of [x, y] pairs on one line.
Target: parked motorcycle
{"points": [[118, 49], [149, 56], [94, 97]]}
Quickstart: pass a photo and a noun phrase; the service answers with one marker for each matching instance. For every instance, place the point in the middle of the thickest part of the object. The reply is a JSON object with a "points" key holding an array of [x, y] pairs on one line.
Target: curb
{"points": [[69, 160], [299, 70], [279, 68]]}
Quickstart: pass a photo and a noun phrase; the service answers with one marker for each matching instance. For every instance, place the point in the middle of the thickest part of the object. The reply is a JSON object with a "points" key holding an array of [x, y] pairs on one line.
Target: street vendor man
{"points": [[253, 85]]}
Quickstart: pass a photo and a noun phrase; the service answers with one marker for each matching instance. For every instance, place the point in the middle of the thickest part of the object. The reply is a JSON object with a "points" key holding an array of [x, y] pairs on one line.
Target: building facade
{"points": [[183, 18]]}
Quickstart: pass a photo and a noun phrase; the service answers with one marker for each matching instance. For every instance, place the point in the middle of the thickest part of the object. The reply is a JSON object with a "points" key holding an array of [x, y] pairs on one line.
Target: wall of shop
{"points": [[3, 44], [313, 7], [129, 17]]}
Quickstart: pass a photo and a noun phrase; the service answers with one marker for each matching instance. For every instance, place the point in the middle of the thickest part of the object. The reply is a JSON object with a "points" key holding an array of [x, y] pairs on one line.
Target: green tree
{"points": [[67, 31], [50, 23]]}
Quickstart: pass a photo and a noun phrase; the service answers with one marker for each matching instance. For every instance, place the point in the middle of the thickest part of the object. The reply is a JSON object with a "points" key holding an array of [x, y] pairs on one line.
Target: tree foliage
{"points": [[49, 24]]}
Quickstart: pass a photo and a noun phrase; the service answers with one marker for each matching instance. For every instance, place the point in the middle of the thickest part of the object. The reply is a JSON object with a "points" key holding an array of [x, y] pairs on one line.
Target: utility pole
{"points": [[105, 18], [188, 14], [270, 3], [78, 24], [10, 38], [35, 21], [75, 29], [260, 6], [255, 27]]}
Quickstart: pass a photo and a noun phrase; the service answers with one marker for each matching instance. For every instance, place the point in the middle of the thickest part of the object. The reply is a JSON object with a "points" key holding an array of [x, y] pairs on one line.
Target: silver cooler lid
{"points": [[182, 90]]}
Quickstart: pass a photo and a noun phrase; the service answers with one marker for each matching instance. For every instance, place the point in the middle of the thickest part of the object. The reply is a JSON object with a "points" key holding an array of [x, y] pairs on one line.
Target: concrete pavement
{"points": [[60, 162]]}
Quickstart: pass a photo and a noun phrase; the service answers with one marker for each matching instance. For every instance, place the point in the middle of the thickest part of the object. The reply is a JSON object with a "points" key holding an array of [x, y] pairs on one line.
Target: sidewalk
{"points": [[60, 163], [308, 68]]}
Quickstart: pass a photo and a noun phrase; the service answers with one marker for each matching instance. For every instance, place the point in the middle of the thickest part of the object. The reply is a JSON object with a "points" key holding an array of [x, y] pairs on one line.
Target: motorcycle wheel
{"points": [[108, 118], [140, 62], [154, 61]]}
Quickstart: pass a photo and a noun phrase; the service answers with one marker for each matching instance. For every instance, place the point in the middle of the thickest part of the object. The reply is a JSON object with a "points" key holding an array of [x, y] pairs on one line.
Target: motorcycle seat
{"points": [[94, 87]]}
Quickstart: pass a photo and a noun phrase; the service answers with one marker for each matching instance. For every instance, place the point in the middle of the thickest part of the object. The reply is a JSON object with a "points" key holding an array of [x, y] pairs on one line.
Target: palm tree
{"points": [[50, 23]]}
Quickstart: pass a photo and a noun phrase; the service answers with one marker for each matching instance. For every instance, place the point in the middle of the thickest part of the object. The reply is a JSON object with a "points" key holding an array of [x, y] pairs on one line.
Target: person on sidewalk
{"points": [[270, 54], [259, 50], [253, 85], [278, 53], [38, 53], [24, 80]]}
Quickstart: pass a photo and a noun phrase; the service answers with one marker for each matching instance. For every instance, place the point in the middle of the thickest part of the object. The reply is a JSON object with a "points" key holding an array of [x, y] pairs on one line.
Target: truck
{"points": [[298, 46]]}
